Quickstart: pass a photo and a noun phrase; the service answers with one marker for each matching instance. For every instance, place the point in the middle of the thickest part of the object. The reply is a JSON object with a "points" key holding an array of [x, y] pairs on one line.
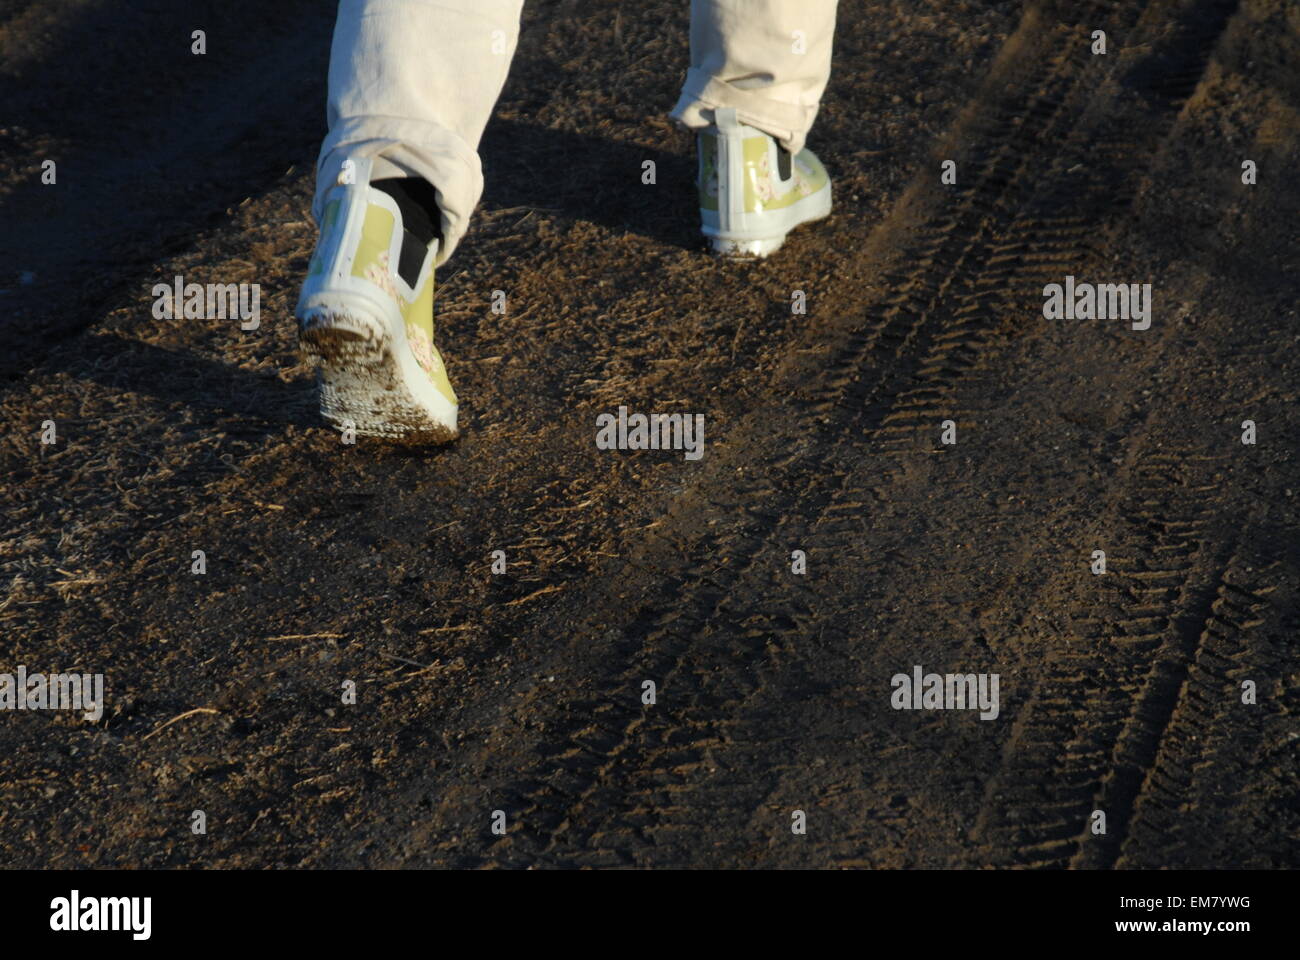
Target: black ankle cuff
{"points": [[418, 202], [421, 221]]}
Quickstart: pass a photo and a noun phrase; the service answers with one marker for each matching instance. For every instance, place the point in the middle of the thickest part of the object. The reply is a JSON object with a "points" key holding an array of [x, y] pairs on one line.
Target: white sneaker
{"points": [[370, 328], [752, 192]]}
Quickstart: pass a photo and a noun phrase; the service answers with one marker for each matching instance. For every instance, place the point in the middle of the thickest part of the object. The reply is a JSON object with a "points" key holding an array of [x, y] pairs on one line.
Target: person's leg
{"points": [[758, 70], [411, 85], [769, 59]]}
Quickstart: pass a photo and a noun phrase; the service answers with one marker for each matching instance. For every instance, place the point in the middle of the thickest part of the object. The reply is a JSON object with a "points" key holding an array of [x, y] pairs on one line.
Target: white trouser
{"points": [[412, 83]]}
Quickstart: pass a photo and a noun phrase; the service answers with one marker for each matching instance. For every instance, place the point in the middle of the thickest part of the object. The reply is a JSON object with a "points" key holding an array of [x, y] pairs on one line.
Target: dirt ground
{"points": [[522, 692]]}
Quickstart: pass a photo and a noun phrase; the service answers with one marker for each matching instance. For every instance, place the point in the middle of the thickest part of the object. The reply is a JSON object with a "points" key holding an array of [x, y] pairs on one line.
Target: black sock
{"points": [[421, 221]]}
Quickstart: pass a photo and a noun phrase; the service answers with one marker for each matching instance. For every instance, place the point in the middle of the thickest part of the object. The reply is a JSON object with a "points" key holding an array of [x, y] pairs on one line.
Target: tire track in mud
{"points": [[1024, 214], [1043, 249], [1124, 720], [1191, 755], [1107, 702], [1165, 658], [1099, 699], [1204, 733]]}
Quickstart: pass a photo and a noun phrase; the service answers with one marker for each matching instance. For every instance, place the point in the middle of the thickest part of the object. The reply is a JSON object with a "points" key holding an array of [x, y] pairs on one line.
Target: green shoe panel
{"points": [[761, 183], [372, 263], [763, 189]]}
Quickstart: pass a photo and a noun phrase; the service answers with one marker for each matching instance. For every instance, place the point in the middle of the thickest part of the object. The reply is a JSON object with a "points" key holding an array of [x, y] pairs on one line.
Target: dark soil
{"points": [[522, 692]]}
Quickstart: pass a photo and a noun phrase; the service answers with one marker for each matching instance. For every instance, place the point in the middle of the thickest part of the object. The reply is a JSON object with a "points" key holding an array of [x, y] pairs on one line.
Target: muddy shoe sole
{"points": [[364, 385]]}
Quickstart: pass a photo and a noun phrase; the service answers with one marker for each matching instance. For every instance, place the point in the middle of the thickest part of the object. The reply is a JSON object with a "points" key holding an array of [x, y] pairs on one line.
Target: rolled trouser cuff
{"points": [[702, 94]]}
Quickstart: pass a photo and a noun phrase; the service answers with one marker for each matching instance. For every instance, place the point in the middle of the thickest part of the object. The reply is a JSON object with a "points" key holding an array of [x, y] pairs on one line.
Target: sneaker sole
{"points": [[363, 385], [746, 249]]}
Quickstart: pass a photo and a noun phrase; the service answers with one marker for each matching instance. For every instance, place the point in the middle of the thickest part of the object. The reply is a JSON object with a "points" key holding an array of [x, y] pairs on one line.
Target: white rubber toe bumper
{"points": [[757, 235]]}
